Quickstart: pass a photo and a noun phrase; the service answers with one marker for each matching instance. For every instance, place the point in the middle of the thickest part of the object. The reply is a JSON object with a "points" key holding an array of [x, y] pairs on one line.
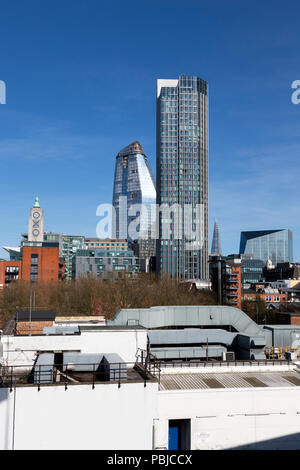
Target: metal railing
{"points": [[75, 374], [147, 367], [279, 352], [213, 364]]}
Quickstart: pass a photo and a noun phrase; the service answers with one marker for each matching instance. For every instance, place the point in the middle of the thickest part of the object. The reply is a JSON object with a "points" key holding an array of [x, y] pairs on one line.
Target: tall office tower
{"points": [[133, 186], [216, 244], [182, 176], [274, 245]]}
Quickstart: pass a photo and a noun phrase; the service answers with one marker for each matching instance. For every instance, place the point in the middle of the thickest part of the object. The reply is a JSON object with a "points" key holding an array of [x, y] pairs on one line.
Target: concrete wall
{"points": [[134, 416], [20, 350], [107, 417], [224, 418]]}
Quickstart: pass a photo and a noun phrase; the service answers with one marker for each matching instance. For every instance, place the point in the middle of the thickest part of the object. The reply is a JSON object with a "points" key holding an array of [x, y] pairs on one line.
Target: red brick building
{"points": [[233, 285], [37, 260], [9, 271], [265, 296], [39, 263], [226, 277]]}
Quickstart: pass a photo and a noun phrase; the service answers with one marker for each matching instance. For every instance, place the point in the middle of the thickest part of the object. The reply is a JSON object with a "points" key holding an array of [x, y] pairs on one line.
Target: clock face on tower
{"points": [[35, 232], [36, 215]]}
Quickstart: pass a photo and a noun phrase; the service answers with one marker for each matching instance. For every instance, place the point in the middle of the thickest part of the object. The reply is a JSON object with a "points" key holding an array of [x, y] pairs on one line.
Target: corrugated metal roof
{"points": [[194, 381]]}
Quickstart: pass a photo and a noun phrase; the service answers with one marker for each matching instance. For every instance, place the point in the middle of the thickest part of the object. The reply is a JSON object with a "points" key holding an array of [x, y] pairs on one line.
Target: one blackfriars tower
{"points": [[182, 176], [134, 199]]}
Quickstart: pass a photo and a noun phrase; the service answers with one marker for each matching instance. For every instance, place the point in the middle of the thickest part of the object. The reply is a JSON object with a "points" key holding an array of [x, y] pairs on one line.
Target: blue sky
{"points": [[81, 85]]}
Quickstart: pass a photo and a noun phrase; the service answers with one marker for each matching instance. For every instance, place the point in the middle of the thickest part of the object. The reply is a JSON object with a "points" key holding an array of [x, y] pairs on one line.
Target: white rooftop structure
{"points": [[99, 392]]}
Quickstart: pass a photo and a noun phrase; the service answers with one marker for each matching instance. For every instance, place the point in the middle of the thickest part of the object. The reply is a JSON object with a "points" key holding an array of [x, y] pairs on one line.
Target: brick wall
{"points": [[36, 327], [3, 265], [48, 262]]}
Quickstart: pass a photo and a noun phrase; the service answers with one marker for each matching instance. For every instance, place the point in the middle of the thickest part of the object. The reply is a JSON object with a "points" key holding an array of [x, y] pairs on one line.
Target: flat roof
{"points": [[211, 380], [282, 327], [110, 327]]}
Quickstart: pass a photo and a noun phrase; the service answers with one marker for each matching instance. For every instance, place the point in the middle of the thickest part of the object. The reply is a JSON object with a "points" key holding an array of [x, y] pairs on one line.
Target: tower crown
{"points": [[37, 202]]}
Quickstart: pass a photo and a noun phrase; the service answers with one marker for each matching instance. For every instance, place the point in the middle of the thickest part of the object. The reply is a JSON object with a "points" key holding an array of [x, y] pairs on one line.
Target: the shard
{"points": [[216, 244]]}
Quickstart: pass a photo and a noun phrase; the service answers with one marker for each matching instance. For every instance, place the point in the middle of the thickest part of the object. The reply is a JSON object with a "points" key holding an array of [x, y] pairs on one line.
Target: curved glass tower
{"points": [[134, 194]]}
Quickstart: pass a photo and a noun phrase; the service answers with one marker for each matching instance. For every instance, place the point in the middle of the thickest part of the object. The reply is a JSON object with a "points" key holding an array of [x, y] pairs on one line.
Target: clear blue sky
{"points": [[81, 84]]}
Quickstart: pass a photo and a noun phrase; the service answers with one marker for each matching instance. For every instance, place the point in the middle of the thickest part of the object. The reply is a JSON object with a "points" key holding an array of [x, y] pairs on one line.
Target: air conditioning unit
{"points": [[228, 356], [290, 355]]}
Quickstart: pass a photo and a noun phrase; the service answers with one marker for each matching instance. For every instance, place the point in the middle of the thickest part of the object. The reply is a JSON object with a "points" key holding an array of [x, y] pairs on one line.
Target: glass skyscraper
{"points": [[182, 175], [216, 244], [134, 185], [274, 245]]}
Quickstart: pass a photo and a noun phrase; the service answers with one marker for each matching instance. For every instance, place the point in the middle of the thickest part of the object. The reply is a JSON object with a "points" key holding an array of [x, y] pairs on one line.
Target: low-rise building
{"points": [[107, 244], [95, 387], [9, 271], [105, 263], [36, 259], [226, 279], [68, 246], [282, 271], [266, 293], [32, 322]]}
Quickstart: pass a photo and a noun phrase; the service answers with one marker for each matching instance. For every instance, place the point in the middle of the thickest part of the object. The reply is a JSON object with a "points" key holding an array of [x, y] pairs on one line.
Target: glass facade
{"points": [[134, 184], [216, 244], [68, 246], [107, 244], [182, 173], [104, 263], [252, 271], [274, 245], [34, 267]]}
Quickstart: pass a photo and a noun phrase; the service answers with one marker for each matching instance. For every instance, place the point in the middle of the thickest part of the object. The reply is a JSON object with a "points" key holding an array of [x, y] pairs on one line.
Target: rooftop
{"points": [[257, 375], [229, 380], [75, 368], [131, 149]]}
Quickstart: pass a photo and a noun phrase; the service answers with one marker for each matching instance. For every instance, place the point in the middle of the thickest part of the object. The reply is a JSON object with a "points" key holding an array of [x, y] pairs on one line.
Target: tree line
{"points": [[92, 296]]}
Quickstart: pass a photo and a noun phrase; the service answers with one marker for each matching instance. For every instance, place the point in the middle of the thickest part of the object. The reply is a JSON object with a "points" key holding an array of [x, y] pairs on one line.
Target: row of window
{"points": [[12, 269]]}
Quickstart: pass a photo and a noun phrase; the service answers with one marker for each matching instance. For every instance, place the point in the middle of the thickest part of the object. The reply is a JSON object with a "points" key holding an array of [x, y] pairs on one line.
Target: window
{"points": [[34, 267]]}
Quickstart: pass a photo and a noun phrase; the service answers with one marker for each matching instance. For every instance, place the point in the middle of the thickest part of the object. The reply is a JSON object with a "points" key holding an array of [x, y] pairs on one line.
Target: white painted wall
{"points": [[107, 417], [112, 418], [219, 417], [20, 350]]}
